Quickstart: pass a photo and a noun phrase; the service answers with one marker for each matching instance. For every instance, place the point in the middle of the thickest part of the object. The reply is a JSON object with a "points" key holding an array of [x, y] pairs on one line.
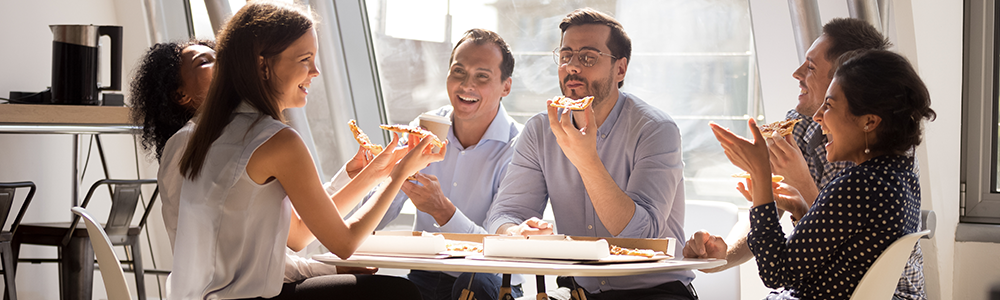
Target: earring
{"points": [[866, 140]]}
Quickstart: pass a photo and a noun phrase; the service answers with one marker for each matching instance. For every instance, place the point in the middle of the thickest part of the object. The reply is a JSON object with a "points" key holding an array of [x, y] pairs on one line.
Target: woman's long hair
{"points": [[257, 33], [154, 97]]}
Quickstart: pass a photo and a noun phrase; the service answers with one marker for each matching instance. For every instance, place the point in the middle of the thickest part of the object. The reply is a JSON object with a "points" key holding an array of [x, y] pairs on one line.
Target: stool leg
{"points": [[540, 287], [140, 282], [76, 269], [505, 288], [467, 293], [8, 271]]}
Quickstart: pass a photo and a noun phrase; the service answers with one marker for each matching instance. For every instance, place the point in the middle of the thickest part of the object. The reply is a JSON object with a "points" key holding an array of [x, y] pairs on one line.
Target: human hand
{"points": [[751, 156], [384, 162], [427, 197], [788, 198], [705, 245], [358, 162], [418, 157], [787, 161], [579, 145], [533, 226], [357, 270]]}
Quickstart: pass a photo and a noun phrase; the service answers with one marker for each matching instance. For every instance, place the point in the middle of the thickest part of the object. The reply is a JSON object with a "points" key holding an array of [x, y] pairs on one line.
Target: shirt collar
{"points": [[609, 122], [245, 108], [499, 129]]}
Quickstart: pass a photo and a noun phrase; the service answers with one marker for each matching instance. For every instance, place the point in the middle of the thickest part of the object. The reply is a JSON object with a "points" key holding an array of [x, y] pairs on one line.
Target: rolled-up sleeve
{"points": [[656, 183]]}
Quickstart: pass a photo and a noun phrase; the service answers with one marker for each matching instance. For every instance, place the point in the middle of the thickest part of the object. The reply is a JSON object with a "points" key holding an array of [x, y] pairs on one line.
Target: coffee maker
{"points": [[75, 61]]}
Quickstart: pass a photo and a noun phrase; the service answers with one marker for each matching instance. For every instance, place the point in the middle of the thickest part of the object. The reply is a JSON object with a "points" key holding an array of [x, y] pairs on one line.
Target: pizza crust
{"points": [[363, 139], [779, 128], [567, 103]]}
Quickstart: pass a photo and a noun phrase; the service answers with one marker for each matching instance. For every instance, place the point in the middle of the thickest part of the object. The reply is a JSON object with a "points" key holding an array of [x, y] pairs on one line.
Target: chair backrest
{"points": [[7, 190], [124, 200], [880, 280], [717, 218], [111, 269]]}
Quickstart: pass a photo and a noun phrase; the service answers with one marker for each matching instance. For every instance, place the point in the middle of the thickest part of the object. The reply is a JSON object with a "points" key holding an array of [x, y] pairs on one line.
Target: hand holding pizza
{"points": [[787, 160], [578, 144], [427, 197], [416, 159], [384, 163]]}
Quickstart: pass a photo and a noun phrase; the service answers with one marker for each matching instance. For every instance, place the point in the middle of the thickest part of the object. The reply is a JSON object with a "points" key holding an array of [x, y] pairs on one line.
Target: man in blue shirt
{"points": [[611, 170], [453, 195]]}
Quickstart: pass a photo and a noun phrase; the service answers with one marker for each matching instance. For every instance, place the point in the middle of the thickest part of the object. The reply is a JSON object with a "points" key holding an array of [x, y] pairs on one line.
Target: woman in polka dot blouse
{"points": [[872, 115]]}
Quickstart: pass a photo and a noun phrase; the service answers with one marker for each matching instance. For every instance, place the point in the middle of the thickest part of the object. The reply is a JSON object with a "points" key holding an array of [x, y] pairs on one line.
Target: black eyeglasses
{"points": [[587, 57]]}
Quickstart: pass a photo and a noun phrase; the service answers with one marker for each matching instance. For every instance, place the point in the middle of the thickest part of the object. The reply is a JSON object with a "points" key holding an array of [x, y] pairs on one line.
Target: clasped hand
{"points": [[578, 144]]}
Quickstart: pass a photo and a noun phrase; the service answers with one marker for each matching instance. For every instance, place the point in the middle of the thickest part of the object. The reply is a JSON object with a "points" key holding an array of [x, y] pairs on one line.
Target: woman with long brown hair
{"points": [[242, 161]]}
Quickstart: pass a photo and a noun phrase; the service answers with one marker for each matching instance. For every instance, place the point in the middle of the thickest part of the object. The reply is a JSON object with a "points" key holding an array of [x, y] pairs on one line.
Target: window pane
{"points": [[692, 59]]}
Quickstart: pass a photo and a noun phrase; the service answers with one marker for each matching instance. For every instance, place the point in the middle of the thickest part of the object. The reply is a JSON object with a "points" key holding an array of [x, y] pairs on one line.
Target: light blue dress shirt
{"points": [[640, 146], [469, 177]]}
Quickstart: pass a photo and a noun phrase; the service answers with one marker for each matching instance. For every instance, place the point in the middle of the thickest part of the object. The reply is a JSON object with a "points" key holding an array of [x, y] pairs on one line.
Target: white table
{"points": [[520, 267]]}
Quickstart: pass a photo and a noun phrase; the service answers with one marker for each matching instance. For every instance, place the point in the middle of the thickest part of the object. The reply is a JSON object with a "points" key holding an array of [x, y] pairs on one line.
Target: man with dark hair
{"points": [[805, 167], [613, 169], [453, 195]]}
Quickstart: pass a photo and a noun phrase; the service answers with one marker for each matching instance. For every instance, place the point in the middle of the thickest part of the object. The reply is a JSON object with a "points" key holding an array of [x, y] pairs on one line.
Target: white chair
{"points": [[107, 260], [717, 218], [880, 280]]}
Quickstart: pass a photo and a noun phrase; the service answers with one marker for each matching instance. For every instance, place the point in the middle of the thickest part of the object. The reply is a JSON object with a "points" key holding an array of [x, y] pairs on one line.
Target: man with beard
{"points": [[613, 169], [801, 156]]}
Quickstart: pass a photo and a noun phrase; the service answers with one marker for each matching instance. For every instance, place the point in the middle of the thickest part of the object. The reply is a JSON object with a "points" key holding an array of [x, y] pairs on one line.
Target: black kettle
{"points": [[75, 61]]}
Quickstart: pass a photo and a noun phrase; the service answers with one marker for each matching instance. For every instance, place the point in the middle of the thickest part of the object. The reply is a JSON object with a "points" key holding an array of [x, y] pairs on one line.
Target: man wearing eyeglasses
{"points": [[611, 170]]}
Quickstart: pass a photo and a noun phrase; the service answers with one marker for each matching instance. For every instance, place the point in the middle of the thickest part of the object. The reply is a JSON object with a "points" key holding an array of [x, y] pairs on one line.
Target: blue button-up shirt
{"points": [[640, 146], [469, 177]]}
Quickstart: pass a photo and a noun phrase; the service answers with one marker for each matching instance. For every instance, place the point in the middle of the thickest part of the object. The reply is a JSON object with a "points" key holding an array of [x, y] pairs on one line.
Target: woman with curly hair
{"points": [[170, 84]]}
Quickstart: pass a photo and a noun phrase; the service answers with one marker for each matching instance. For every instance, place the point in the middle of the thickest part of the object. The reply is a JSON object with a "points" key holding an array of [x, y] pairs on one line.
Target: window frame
{"points": [[979, 202]]}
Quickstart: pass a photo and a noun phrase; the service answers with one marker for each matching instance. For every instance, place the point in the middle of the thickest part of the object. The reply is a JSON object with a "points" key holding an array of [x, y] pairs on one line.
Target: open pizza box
{"points": [[575, 248], [550, 247]]}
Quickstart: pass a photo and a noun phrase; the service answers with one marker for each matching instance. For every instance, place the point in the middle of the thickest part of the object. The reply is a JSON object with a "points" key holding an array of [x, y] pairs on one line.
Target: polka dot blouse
{"points": [[854, 219]]}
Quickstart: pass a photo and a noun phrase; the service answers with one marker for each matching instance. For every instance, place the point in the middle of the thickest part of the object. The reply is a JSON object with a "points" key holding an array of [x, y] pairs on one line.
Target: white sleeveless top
{"points": [[231, 231]]}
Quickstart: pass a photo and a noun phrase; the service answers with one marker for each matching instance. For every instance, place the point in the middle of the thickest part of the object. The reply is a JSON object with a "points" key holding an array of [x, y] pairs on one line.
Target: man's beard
{"points": [[601, 90]]}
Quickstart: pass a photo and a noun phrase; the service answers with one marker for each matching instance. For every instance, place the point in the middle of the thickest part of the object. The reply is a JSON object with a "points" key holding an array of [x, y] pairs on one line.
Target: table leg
{"points": [[75, 187], [76, 270], [540, 287]]}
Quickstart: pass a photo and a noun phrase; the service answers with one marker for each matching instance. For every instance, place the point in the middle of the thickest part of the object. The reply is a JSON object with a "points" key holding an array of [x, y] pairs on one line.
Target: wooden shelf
{"points": [[63, 114]]}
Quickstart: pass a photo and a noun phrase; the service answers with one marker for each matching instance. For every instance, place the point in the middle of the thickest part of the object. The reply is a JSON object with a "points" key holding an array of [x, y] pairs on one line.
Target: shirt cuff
{"points": [[638, 226], [338, 181], [459, 223], [764, 217]]}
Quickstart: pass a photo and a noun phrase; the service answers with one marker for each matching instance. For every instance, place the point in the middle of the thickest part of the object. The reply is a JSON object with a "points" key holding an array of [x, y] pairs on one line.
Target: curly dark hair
{"points": [[883, 83], [154, 95]]}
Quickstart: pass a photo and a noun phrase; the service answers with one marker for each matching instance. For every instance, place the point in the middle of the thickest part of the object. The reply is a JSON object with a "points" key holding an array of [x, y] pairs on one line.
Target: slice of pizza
{"points": [[567, 103], [774, 177], [779, 128], [363, 139], [615, 250], [420, 133]]}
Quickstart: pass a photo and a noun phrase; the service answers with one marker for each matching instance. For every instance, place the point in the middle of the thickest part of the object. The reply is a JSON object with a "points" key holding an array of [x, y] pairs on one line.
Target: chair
{"points": [[76, 257], [717, 218], [111, 269], [7, 255], [880, 280]]}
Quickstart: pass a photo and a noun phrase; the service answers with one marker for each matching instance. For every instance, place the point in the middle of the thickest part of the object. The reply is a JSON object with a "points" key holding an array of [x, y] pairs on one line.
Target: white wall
{"points": [[46, 159]]}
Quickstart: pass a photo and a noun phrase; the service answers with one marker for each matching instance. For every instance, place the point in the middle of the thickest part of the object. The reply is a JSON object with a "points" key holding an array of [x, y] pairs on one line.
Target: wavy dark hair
{"points": [[154, 96], [481, 36], [618, 41], [848, 34], [259, 29], [883, 83]]}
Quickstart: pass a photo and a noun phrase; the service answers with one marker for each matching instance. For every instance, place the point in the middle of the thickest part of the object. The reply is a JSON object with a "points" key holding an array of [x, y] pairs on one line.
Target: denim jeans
{"points": [[441, 286]]}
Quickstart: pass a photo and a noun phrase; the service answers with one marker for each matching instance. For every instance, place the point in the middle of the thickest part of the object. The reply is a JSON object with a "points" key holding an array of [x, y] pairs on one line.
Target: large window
{"points": [[692, 59], [980, 185]]}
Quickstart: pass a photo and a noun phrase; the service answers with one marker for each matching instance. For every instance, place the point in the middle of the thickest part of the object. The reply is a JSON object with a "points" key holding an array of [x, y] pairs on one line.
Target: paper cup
{"points": [[436, 124]]}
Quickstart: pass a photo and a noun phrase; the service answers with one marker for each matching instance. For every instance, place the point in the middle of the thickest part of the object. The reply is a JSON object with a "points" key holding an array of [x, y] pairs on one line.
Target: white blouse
{"points": [[231, 231]]}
